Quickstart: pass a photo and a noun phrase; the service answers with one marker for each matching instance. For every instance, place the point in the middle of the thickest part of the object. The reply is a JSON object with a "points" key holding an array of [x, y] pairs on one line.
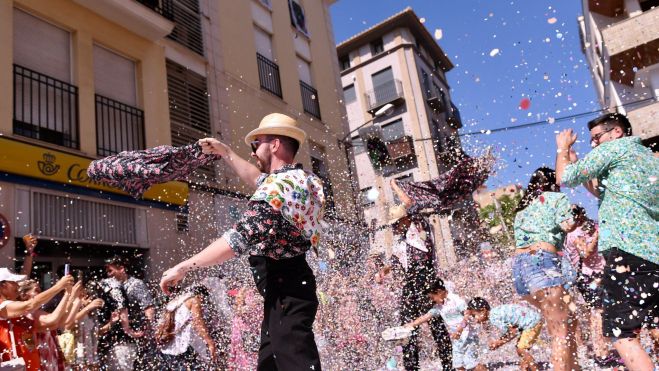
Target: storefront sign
{"points": [[42, 163]]}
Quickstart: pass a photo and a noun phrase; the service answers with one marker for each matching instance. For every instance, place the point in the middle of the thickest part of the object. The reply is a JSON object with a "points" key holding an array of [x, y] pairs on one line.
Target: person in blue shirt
{"points": [[515, 322]]}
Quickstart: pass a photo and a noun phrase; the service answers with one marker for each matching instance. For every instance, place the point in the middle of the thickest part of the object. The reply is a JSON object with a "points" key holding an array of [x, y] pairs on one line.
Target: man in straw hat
{"points": [[281, 223]]}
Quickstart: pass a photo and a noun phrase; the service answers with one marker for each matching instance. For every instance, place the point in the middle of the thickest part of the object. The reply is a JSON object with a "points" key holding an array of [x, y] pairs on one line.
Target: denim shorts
{"points": [[535, 271]]}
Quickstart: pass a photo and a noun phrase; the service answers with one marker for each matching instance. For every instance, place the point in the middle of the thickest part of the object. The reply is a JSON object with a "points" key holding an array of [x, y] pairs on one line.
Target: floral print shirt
{"points": [[541, 220], [626, 173], [283, 216]]}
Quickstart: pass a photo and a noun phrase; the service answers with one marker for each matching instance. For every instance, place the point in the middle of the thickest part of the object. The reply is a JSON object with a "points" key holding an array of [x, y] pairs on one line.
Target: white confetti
{"points": [[494, 52], [438, 34]]}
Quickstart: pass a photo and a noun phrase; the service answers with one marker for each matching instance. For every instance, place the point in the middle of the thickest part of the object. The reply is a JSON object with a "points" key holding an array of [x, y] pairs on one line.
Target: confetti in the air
{"points": [[494, 52], [438, 34], [525, 103]]}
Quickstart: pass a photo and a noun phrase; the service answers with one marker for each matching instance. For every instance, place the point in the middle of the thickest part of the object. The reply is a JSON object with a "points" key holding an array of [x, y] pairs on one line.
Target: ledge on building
{"points": [[137, 18]]}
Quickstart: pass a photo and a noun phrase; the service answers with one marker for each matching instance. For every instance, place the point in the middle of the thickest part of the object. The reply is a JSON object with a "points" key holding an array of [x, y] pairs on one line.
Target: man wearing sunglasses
{"points": [[281, 223], [626, 183]]}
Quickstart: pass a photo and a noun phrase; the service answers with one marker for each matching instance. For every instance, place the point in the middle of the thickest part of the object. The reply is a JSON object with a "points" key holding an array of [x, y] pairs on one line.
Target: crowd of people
{"points": [[590, 285]]}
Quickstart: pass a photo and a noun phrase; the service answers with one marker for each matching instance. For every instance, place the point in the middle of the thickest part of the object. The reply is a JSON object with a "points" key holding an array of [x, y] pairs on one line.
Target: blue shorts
{"points": [[533, 272]]}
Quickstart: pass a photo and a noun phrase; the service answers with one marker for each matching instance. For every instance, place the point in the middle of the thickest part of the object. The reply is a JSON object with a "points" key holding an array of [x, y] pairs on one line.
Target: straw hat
{"points": [[277, 124]]}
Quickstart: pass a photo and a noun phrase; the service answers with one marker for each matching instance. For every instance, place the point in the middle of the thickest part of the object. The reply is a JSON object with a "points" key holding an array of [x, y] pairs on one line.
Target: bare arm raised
{"points": [[243, 168]]}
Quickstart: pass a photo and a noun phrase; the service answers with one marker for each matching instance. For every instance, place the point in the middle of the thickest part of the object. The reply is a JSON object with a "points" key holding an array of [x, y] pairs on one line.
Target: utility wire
{"points": [[546, 122], [538, 123]]}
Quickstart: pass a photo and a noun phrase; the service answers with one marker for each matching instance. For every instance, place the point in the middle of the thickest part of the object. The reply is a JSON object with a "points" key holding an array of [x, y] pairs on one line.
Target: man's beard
{"points": [[262, 165]]}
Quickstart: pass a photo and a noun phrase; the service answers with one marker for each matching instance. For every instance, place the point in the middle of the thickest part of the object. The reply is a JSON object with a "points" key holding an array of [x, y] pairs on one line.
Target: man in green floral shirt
{"points": [[622, 173]]}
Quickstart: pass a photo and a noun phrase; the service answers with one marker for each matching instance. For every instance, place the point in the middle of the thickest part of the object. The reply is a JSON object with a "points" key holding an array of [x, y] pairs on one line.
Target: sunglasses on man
{"points": [[595, 139], [256, 143]]}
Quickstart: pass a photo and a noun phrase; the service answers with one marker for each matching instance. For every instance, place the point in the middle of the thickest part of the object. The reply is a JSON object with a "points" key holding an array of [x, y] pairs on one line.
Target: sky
{"points": [[503, 52]]}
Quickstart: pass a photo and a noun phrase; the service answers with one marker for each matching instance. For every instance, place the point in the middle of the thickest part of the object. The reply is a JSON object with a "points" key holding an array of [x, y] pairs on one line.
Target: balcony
{"points": [[609, 8], [400, 148], [269, 75], [45, 108], [119, 127], [453, 117], [632, 43], [310, 100], [150, 19], [644, 120], [388, 92], [435, 102]]}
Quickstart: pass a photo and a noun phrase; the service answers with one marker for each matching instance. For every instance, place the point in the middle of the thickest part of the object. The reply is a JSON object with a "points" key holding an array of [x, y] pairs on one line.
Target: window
{"points": [[263, 43], [304, 70], [319, 167], [119, 123], [114, 76], [358, 145], [189, 111], [392, 131], [377, 47], [187, 28], [383, 77], [344, 63], [298, 19], [45, 103], [349, 94], [426, 84], [267, 3]]}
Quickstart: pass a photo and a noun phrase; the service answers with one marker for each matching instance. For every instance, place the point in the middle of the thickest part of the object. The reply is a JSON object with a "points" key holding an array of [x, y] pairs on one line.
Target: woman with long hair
{"points": [[182, 335], [544, 215]]}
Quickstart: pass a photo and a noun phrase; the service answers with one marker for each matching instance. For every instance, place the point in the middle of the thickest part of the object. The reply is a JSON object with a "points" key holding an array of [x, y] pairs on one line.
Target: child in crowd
{"points": [[450, 307], [512, 320]]}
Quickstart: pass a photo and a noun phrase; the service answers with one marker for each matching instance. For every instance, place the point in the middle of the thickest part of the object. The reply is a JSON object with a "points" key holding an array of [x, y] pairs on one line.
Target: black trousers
{"points": [[288, 287], [414, 303]]}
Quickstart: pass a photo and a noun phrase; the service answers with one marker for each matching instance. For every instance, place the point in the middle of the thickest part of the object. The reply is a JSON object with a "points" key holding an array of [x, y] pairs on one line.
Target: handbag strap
{"points": [[13, 341]]}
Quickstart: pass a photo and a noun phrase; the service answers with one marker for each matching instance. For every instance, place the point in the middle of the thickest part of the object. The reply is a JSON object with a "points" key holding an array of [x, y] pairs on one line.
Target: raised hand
{"points": [[170, 278], [213, 146], [565, 139]]}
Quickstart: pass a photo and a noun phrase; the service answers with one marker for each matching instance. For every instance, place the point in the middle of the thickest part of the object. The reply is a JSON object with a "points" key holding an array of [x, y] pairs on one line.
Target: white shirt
{"points": [[184, 334]]}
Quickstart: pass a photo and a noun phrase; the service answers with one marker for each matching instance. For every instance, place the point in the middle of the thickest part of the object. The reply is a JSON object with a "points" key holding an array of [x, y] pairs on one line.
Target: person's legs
{"points": [[526, 340], [633, 354], [443, 341], [629, 305], [600, 343], [527, 363], [561, 327]]}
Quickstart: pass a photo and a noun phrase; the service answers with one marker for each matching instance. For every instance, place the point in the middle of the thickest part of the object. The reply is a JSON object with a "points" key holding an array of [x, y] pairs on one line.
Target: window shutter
{"points": [[114, 76], [40, 46]]}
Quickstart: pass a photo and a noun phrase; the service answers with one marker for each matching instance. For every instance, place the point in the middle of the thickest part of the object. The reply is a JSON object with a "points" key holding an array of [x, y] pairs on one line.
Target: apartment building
{"points": [[620, 39], [403, 124], [84, 79]]}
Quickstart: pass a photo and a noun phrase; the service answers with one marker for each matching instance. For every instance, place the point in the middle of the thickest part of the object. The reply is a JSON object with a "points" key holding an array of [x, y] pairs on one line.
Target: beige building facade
{"points": [[620, 39], [397, 62], [84, 79]]}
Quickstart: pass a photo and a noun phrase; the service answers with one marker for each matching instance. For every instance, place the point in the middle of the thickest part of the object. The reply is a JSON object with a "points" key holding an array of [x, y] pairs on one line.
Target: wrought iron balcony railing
{"points": [[119, 127], [388, 92], [310, 100], [45, 108], [269, 75]]}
